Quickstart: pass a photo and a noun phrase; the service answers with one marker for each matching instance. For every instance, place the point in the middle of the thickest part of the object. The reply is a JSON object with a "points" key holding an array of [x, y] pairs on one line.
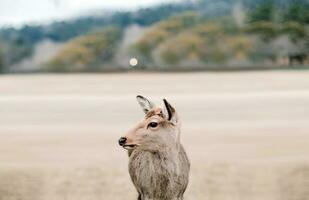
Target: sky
{"points": [[19, 12]]}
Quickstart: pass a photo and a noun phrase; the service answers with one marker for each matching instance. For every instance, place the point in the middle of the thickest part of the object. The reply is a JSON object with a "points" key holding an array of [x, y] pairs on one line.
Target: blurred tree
{"points": [[162, 31], [17, 51], [1, 58], [186, 46], [238, 47], [150, 40], [295, 30], [205, 21], [19, 46], [263, 12], [73, 57], [122, 19], [86, 53], [149, 16], [31, 34], [298, 12], [267, 30], [23, 40], [209, 30], [65, 30], [206, 43]]}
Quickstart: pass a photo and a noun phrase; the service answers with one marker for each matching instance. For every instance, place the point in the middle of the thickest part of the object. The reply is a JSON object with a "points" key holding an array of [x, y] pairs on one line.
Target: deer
{"points": [[158, 164]]}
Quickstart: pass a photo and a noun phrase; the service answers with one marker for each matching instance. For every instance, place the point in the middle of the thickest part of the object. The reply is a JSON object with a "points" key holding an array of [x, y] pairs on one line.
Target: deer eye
{"points": [[153, 124]]}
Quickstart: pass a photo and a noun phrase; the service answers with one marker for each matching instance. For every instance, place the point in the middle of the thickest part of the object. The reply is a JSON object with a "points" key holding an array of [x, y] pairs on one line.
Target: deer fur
{"points": [[158, 164]]}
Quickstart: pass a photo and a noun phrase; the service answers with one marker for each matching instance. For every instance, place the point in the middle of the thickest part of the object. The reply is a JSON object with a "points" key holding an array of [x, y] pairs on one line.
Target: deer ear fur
{"points": [[170, 112], [145, 103]]}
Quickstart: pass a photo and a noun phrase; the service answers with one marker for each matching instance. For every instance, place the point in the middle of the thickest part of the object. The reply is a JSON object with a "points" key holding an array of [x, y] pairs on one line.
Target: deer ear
{"points": [[170, 112], [144, 103]]}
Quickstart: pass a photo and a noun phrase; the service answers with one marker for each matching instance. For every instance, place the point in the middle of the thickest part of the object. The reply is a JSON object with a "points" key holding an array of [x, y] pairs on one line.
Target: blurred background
{"points": [[94, 36], [235, 70]]}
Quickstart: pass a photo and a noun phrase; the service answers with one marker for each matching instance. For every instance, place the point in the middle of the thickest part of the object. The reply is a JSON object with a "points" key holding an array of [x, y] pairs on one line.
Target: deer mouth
{"points": [[130, 146]]}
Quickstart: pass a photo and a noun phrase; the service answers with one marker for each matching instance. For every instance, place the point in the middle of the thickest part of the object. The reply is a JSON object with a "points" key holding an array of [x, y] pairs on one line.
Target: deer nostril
{"points": [[122, 141]]}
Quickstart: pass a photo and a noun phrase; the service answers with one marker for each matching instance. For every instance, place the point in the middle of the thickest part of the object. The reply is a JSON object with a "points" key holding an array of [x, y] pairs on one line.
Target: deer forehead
{"points": [[154, 115], [155, 112]]}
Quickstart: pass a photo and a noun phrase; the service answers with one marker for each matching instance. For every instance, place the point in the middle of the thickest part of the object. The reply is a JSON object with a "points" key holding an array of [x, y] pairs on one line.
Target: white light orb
{"points": [[133, 62]]}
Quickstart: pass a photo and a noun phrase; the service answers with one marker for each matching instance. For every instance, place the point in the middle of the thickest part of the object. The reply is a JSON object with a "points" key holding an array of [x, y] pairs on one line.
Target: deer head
{"points": [[159, 128]]}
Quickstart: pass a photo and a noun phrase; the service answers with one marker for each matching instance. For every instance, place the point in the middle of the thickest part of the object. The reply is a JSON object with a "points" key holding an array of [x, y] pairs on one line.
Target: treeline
{"points": [[271, 33], [86, 53], [189, 33], [18, 43]]}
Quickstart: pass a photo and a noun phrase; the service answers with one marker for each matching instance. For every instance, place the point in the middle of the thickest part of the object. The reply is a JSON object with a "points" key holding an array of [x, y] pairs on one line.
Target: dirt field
{"points": [[246, 133]]}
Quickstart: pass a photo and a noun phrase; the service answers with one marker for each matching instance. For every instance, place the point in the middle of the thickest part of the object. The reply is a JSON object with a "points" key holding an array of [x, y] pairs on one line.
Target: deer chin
{"points": [[130, 146]]}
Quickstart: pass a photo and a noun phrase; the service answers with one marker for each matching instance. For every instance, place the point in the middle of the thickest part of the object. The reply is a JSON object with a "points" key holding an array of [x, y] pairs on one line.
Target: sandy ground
{"points": [[246, 133]]}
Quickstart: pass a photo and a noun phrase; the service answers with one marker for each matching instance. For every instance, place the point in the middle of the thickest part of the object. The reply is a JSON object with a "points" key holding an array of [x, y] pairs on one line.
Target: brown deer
{"points": [[158, 164]]}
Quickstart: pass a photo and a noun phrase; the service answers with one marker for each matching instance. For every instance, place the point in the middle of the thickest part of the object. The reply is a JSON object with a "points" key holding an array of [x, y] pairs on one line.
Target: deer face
{"points": [[159, 123]]}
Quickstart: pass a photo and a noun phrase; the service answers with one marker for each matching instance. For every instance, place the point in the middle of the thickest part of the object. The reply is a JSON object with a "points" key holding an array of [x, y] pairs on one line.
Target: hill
{"points": [[189, 34]]}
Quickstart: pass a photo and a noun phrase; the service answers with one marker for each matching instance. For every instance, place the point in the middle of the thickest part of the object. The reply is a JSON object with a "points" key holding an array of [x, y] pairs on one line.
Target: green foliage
{"points": [[149, 16], [86, 52], [174, 43], [1, 58], [206, 42], [184, 46], [162, 31], [201, 31], [66, 30], [270, 18], [295, 30], [18, 47], [267, 30], [264, 12], [298, 12], [21, 41]]}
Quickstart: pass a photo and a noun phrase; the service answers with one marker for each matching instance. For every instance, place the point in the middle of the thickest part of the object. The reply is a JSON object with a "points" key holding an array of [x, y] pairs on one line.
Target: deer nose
{"points": [[122, 141]]}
